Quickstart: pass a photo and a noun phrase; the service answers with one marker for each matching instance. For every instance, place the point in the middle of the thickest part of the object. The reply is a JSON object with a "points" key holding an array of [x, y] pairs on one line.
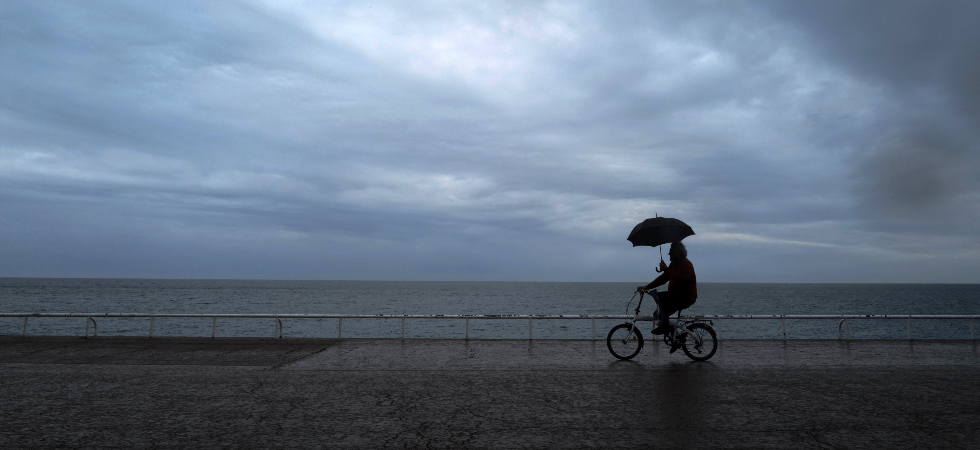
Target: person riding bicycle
{"points": [[682, 289]]}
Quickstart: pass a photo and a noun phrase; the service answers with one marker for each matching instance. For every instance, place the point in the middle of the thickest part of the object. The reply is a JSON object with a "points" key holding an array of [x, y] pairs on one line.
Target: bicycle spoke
{"points": [[703, 343]]}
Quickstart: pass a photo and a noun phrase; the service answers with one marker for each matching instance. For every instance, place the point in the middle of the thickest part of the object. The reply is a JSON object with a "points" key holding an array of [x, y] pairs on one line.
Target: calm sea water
{"points": [[383, 297]]}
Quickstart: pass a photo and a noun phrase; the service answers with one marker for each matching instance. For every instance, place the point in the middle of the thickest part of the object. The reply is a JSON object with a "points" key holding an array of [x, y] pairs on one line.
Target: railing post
{"points": [[151, 325], [784, 329], [468, 328], [908, 323], [24, 334], [719, 328], [403, 327], [529, 335], [86, 326], [340, 327], [847, 331], [973, 335], [214, 324], [593, 328]]}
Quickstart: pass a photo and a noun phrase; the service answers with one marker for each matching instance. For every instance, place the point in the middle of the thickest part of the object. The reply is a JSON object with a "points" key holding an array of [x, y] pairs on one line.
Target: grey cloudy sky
{"points": [[803, 141]]}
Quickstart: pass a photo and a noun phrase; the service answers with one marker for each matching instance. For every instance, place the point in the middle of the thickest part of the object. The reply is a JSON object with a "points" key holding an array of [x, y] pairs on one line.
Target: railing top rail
{"points": [[493, 316]]}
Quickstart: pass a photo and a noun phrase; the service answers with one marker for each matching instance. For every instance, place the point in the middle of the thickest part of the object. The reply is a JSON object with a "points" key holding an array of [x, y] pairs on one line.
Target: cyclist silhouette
{"points": [[682, 287]]}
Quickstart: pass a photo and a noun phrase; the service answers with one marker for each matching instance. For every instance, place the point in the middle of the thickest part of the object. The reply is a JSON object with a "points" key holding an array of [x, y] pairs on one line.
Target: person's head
{"points": [[677, 251]]}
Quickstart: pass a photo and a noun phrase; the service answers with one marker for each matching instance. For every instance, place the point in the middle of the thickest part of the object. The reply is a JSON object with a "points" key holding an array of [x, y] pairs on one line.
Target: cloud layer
{"points": [[510, 141]]}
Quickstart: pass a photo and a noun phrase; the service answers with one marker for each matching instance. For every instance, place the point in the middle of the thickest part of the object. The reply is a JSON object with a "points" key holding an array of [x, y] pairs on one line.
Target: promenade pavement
{"points": [[361, 393]]}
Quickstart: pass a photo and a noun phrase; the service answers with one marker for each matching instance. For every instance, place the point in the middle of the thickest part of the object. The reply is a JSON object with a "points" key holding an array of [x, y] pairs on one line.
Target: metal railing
{"points": [[843, 320], [278, 318]]}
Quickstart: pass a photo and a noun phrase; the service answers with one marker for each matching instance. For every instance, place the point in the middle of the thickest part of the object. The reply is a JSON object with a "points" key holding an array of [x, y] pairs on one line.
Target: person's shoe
{"points": [[677, 343], [661, 329]]}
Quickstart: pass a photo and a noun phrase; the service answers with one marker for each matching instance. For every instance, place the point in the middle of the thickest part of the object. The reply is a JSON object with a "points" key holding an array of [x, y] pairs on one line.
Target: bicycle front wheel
{"points": [[708, 342], [624, 341]]}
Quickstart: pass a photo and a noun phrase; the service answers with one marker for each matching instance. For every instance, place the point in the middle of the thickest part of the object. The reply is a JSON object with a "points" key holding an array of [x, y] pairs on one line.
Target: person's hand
{"points": [[663, 266], [641, 288]]}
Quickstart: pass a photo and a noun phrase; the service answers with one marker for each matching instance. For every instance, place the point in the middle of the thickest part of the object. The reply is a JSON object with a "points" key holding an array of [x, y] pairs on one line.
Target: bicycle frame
{"points": [[680, 329], [679, 326]]}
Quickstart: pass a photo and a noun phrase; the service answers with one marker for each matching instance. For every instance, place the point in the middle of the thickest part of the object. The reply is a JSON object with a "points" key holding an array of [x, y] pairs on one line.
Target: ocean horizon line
{"points": [[353, 280]]}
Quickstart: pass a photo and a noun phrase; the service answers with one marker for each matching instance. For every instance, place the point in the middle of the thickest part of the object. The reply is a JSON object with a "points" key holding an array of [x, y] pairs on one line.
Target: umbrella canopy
{"points": [[659, 230]]}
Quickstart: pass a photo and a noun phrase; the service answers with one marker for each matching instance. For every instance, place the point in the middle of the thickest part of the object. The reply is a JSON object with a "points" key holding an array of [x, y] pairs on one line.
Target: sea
{"points": [[97, 296]]}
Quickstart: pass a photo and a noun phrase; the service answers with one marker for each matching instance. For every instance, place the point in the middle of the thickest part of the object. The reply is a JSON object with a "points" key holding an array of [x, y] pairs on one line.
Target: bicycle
{"points": [[694, 335]]}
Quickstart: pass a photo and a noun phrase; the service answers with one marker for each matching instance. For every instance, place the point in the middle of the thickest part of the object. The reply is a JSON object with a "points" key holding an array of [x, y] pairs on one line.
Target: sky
{"points": [[834, 141]]}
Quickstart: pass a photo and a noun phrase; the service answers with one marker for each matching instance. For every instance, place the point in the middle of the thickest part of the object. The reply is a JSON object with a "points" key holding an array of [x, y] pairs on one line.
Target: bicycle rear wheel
{"points": [[708, 346], [622, 343]]}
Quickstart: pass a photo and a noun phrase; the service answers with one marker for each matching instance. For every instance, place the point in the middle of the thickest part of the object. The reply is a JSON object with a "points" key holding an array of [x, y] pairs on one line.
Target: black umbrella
{"points": [[658, 231]]}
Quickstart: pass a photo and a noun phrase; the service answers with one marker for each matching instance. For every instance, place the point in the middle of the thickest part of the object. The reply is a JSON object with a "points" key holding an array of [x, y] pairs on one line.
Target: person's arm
{"points": [[663, 278]]}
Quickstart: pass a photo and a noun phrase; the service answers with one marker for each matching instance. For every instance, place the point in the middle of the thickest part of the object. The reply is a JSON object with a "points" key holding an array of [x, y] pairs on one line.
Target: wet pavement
{"points": [[354, 393]]}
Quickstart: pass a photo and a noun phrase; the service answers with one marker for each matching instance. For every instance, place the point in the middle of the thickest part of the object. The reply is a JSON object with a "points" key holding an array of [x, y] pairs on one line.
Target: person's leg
{"points": [[668, 303]]}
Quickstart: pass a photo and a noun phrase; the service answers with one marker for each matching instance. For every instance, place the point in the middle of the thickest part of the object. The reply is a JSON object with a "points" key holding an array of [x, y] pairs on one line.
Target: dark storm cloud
{"points": [[500, 141], [923, 155]]}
